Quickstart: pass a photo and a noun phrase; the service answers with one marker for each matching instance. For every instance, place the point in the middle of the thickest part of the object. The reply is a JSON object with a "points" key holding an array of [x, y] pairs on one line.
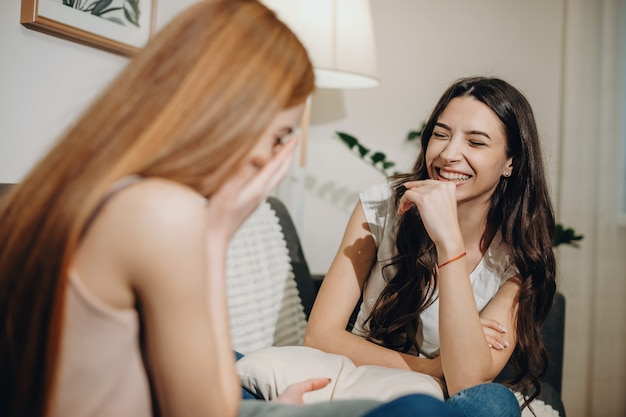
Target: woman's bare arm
{"points": [[338, 295], [178, 282], [465, 357]]}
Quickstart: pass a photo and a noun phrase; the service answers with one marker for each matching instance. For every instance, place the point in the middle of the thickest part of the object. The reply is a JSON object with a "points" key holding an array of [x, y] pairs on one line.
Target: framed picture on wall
{"points": [[119, 26]]}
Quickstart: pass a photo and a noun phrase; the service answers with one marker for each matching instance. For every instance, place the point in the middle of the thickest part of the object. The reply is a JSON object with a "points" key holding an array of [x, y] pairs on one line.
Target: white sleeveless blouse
{"points": [[493, 270]]}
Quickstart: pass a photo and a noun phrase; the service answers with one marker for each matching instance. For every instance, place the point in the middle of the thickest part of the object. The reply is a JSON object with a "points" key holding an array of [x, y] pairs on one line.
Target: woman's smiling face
{"points": [[468, 147]]}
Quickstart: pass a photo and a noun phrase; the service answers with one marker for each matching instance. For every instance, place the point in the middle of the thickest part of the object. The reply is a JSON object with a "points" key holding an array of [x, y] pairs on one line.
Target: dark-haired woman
{"points": [[454, 259]]}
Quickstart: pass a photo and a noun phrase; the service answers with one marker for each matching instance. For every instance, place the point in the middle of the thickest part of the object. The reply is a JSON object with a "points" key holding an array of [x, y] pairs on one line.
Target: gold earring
{"points": [[507, 174]]}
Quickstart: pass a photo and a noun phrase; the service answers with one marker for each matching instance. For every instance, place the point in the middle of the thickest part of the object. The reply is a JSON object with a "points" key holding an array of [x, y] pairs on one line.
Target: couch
{"points": [[253, 278]]}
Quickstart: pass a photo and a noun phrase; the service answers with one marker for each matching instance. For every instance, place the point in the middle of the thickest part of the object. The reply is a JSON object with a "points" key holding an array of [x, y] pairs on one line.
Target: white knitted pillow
{"points": [[263, 300]]}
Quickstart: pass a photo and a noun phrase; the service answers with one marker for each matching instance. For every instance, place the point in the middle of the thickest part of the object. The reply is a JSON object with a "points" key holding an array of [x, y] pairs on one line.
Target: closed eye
{"points": [[291, 133], [280, 140], [440, 131]]}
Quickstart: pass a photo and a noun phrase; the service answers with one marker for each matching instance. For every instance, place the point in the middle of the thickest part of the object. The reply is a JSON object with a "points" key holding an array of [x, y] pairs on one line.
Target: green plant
{"points": [[378, 160], [566, 236]]}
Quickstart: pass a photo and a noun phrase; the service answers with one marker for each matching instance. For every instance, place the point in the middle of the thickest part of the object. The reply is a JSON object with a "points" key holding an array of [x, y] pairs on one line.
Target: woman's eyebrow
{"points": [[469, 132], [479, 132]]}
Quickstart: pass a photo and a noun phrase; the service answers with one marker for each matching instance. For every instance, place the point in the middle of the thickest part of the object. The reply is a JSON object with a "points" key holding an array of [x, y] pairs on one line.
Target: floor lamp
{"points": [[339, 37]]}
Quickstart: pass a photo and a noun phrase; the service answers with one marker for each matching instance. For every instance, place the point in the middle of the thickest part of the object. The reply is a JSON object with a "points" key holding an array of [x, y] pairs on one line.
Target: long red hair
{"points": [[188, 107]]}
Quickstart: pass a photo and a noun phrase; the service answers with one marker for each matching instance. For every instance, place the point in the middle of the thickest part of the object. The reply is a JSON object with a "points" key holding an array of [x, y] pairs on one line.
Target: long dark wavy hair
{"points": [[520, 209]]}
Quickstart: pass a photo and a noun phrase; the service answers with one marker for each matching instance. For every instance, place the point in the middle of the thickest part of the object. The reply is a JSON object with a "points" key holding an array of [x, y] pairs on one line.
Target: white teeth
{"points": [[453, 176]]}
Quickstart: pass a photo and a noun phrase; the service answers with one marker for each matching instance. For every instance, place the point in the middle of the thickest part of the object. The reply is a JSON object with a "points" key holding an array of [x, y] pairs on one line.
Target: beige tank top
{"points": [[101, 371]]}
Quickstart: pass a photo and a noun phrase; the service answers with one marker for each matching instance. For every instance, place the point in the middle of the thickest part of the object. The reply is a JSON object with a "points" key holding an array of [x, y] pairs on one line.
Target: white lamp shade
{"points": [[339, 37]]}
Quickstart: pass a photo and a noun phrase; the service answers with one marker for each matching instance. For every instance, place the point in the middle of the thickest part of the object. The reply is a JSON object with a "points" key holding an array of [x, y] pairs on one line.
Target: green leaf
{"points": [[413, 134], [388, 164], [134, 5], [378, 157], [132, 13], [566, 236], [349, 140], [362, 150], [132, 18], [99, 8]]}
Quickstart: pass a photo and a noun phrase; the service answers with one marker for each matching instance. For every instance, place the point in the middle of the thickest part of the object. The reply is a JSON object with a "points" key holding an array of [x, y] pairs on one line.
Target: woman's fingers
{"points": [[246, 188], [405, 204], [277, 168], [493, 324], [420, 192], [294, 393], [494, 332], [268, 176], [437, 207]]}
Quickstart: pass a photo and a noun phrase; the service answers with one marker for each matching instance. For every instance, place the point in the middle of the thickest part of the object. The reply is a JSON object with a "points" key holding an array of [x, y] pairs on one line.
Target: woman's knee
{"points": [[413, 405], [489, 399]]}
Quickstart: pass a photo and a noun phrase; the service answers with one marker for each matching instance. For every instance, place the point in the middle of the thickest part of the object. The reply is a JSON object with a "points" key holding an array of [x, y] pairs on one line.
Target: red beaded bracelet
{"points": [[456, 258]]}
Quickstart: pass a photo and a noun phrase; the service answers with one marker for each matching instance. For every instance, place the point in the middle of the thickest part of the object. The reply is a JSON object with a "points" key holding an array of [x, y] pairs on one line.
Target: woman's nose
{"points": [[452, 151]]}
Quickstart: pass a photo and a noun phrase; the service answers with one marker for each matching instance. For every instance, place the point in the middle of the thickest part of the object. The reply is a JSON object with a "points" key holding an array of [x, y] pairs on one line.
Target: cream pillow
{"points": [[267, 372]]}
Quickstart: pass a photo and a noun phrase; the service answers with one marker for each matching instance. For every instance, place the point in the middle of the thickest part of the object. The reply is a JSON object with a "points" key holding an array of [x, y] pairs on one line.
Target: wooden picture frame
{"points": [[119, 26]]}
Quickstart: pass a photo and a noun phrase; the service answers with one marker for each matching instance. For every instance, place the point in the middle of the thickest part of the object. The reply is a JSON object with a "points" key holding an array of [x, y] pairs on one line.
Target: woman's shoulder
{"points": [[156, 208], [149, 212], [154, 199], [379, 209], [157, 188], [142, 228], [378, 192]]}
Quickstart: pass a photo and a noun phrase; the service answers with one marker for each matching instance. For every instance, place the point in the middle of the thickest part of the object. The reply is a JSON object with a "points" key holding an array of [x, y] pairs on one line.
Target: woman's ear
{"points": [[509, 168]]}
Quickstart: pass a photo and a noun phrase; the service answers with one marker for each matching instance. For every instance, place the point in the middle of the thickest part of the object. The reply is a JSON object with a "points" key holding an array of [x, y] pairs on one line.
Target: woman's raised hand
{"points": [[436, 203], [241, 194]]}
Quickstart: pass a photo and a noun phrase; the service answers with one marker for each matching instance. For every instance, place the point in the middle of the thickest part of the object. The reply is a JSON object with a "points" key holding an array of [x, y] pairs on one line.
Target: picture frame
{"points": [[118, 26]]}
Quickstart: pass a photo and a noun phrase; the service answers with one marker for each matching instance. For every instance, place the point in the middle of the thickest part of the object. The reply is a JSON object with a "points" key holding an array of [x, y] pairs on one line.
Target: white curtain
{"points": [[593, 277]]}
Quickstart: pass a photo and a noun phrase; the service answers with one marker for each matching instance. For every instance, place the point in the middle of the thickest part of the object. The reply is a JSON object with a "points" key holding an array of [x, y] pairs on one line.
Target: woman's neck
{"points": [[473, 223]]}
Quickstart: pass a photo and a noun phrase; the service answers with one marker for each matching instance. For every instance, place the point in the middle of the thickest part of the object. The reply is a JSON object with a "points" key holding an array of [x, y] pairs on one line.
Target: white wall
{"points": [[552, 50], [45, 81]]}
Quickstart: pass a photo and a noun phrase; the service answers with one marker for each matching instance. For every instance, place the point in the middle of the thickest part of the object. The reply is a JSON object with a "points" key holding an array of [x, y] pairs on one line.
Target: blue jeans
{"points": [[415, 405], [486, 400], [492, 400]]}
